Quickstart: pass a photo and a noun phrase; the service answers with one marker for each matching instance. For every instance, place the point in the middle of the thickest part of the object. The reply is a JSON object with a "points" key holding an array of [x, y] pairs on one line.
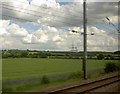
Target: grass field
{"points": [[34, 67]]}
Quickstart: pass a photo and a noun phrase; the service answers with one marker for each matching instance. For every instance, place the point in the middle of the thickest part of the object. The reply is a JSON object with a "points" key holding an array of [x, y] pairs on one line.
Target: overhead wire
{"points": [[102, 28], [41, 16], [40, 12], [24, 20], [35, 15], [37, 23], [101, 46], [45, 13], [32, 15], [55, 11], [46, 9], [50, 2]]}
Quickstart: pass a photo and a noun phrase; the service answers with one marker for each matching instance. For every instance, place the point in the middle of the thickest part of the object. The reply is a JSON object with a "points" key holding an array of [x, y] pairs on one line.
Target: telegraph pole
{"points": [[85, 41]]}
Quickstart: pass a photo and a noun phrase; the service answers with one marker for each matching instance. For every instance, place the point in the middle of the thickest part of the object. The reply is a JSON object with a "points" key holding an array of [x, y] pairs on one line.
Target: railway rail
{"points": [[89, 85]]}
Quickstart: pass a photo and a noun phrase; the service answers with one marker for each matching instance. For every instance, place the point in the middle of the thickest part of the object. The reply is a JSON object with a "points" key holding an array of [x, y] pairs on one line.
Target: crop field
{"points": [[35, 67], [21, 74]]}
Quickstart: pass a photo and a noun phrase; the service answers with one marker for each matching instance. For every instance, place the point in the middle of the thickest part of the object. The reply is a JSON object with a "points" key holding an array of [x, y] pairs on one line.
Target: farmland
{"points": [[34, 67], [26, 73]]}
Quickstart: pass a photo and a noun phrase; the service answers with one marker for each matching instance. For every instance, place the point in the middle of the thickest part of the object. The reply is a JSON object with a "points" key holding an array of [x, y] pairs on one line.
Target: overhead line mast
{"points": [[85, 40]]}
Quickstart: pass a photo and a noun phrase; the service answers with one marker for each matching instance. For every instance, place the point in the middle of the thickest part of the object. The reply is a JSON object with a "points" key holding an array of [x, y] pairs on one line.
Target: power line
{"points": [[50, 15], [45, 13], [105, 46], [24, 20], [100, 28], [106, 23], [35, 15], [37, 12], [56, 11], [39, 8], [41, 12], [42, 16]]}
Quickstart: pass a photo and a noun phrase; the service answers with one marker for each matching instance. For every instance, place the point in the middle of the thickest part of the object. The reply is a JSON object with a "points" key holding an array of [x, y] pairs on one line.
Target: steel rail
{"points": [[87, 87]]}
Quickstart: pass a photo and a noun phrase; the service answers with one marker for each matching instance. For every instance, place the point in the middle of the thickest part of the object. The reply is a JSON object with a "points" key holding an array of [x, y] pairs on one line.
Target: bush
{"points": [[7, 90], [118, 66], [100, 56], [45, 80], [110, 67], [75, 75]]}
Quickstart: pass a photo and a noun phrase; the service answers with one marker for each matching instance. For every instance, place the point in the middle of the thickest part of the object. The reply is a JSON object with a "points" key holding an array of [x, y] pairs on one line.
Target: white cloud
{"points": [[43, 38], [53, 40], [32, 39], [65, 15], [7, 43], [102, 1], [46, 34], [27, 39], [101, 41], [15, 30], [3, 32], [58, 39], [4, 23], [11, 29], [53, 17], [46, 3]]}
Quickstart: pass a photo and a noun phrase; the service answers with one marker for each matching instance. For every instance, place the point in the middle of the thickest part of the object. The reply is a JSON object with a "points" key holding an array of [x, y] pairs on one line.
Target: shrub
{"points": [[100, 56], [45, 80], [7, 90], [75, 75], [118, 66], [110, 67]]}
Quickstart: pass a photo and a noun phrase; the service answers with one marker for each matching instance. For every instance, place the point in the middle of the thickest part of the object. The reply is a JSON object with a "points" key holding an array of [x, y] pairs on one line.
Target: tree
{"points": [[42, 54], [100, 56], [110, 67], [24, 54]]}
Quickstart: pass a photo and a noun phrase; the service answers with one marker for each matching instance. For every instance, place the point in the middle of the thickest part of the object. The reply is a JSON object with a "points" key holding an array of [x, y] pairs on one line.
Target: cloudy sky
{"points": [[47, 25]]}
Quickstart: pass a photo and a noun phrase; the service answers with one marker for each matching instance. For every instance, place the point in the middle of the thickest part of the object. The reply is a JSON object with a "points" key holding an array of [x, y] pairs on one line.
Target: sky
{"points": [[47, 25]]}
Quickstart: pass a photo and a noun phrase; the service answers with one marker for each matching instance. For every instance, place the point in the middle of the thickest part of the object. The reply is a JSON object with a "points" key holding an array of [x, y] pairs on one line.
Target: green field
{"points": [[34, 67]]}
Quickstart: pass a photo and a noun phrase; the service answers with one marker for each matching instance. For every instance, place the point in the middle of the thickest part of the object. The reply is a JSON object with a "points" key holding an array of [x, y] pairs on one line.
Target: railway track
{"points": [[89, 86]]}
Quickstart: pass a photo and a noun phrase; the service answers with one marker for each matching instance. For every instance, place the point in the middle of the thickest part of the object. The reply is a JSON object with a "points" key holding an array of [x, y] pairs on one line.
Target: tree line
{"points": [[57, 54]]}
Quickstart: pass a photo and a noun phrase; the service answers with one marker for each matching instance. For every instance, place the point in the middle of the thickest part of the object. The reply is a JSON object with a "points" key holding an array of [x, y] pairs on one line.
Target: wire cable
{"points": [[42, 16], [60, 12]]}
